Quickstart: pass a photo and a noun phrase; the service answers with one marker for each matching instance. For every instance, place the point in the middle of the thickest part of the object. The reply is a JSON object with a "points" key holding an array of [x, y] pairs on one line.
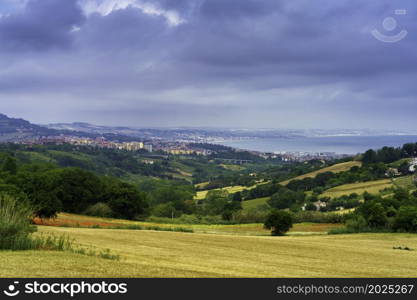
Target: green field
{"points": [[398, 163], [39, 157], [172, 254], [233, 167], [250, 204], [233, 189], [229, 189], [337, 168], [405, 182], [372, 187]]}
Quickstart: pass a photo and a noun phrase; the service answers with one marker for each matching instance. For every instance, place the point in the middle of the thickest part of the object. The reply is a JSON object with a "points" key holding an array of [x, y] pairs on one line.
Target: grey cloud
{"points": [[41, 25], [298, 62]]}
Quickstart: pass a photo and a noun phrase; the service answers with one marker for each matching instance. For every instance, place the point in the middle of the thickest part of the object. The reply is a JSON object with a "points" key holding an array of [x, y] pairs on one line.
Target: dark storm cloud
{"points": [[42, 25], [278, 63]]}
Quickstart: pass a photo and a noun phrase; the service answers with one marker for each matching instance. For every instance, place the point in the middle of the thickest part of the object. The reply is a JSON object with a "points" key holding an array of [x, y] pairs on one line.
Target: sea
{"points": [[335, 144]]}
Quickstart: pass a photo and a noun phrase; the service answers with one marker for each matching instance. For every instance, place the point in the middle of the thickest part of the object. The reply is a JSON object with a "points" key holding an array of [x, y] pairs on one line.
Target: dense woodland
{"points": [[114, 183]]}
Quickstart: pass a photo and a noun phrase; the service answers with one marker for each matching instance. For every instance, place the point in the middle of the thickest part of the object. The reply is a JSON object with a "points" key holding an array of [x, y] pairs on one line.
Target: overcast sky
{"points": [[228, 63]]}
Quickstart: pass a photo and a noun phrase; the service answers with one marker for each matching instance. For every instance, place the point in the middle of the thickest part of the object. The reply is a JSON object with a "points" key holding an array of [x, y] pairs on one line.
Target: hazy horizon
{"points": [[406, 131]]}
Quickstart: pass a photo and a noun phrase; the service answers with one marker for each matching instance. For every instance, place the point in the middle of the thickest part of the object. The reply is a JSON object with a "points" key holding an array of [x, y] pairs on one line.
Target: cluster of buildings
{"points": [[305, 156], [179, 148], [174, 148], [97, 142]]}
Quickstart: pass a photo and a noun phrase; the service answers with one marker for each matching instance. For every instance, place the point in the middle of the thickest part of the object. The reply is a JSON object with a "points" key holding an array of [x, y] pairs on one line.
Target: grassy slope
{"points": [[346, 189], [39, 157], [372, 187], [406, 182], [342, 167], [229, 189], [398, 163], [335, 168], [171, 254]]}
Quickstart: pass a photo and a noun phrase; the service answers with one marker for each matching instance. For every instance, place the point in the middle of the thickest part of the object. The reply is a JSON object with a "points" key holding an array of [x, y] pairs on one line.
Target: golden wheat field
{"points": [[373, 187]]}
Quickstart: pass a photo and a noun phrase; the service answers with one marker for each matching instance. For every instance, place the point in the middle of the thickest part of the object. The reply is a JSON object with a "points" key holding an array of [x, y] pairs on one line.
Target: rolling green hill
{"points": [[341, 167], [337, 168], [373, 187], [250, 204]]}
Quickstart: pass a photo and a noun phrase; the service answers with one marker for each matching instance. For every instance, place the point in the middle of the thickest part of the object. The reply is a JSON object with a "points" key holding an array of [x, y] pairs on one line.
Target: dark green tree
{"points": [[215, 202], [374, 213], [285, 198], [41, 192], [76, 188], [237, 196], [406, 219], [279, 222], [125, 200], [10, 165], [404, 168], [369, 157], [311, 207], [230, 208]]}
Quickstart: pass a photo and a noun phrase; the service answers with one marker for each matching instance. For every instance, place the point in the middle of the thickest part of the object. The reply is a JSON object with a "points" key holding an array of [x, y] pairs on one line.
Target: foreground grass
{"points": [[373, 187], [172, 254], [337, 168]]}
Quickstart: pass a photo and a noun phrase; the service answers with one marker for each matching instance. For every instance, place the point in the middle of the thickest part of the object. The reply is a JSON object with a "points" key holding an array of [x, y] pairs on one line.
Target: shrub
{"points": [[178, 229], [311, 207], [357, 224], [406, 219], [213, 220], [165, 210], [15, 224], [374, 214], [319, 217], [285, 198], [253, 215], [99, 209], [189, 219], [279, 221]]}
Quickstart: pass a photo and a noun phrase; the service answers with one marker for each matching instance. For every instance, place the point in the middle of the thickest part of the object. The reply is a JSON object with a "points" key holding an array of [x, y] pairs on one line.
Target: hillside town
{"points": [[174, 148]]}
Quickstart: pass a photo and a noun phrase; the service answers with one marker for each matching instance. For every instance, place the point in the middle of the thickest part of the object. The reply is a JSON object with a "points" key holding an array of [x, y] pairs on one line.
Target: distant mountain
{"points": [[169, 134], [96, 129], [201, 134], [12, 129], [16, 130]]}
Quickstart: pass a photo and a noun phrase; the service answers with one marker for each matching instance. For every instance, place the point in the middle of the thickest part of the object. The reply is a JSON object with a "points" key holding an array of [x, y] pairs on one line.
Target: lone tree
{"points": [[279, 222]]}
